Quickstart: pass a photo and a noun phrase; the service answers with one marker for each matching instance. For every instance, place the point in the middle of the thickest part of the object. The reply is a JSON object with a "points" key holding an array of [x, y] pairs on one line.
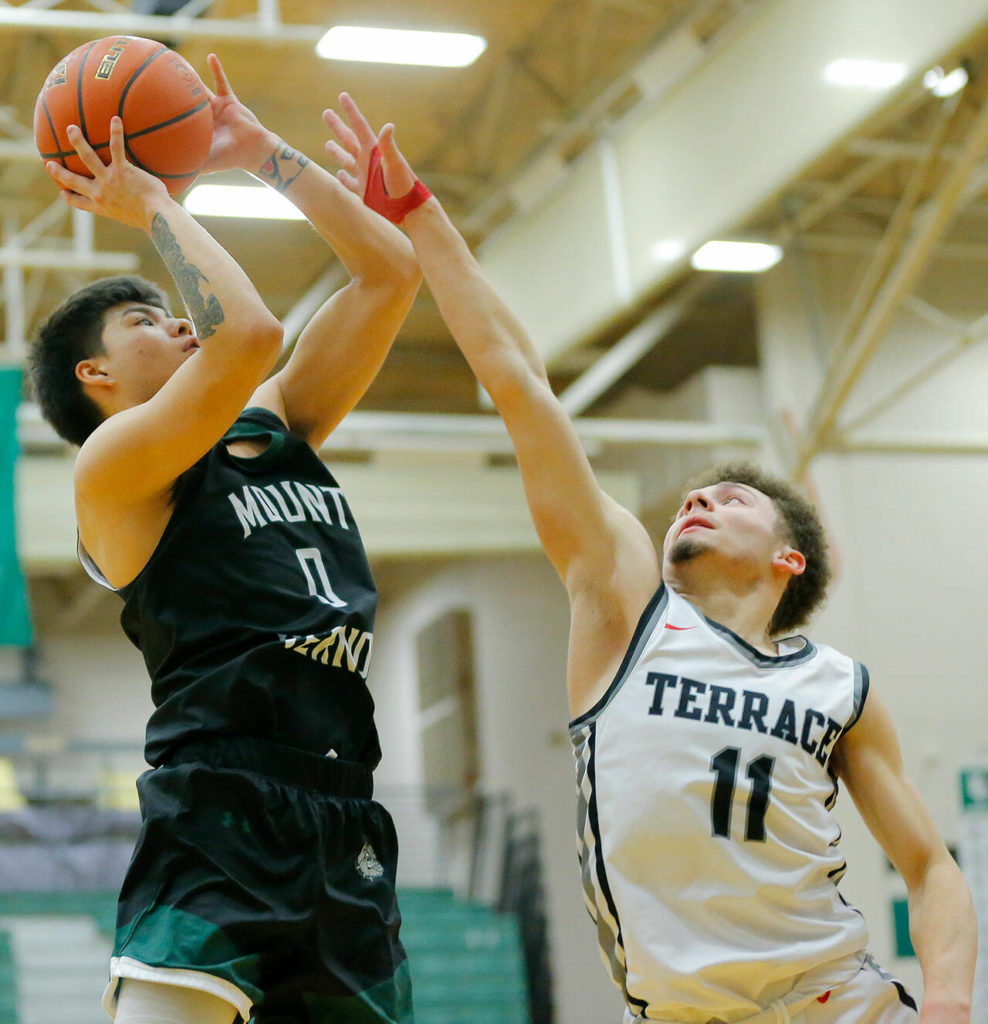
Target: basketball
{"points": [[164, 105]]}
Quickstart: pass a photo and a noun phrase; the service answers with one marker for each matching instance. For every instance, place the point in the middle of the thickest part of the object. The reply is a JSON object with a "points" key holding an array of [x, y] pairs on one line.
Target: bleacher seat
{"points": [[11, 797], [118, 790], [465, 959], [8, 981]]}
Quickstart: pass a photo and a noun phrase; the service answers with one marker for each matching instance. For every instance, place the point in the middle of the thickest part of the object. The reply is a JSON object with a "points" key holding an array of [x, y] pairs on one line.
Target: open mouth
{"points": [[694, 523]]}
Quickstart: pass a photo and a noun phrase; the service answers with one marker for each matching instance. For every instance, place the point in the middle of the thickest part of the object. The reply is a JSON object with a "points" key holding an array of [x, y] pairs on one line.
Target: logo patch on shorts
{"points": [[368, 864]]}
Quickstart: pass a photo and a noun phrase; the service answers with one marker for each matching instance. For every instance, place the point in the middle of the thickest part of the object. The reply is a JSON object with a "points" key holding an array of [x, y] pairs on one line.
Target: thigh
{"points": [[144, 1002], [872, 996], [344, 960]]}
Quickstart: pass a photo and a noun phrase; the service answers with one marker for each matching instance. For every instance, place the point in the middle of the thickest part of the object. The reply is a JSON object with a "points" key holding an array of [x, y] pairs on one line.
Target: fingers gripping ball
{"points": [[167, 119]]}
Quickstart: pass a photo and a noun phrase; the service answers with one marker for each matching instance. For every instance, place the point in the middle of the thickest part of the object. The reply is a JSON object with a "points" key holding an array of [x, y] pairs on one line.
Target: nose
{"points": [[696, 500], [181, 326]]}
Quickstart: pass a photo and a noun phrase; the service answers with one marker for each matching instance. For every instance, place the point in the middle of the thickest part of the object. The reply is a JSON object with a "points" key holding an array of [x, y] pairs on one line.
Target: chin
{"points": [[685, 549]]}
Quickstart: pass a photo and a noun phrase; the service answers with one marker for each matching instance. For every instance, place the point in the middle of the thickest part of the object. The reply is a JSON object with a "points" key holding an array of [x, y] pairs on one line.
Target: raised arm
{"points": [[137, 453], [341, 349], [941, 916], [590, 539]]}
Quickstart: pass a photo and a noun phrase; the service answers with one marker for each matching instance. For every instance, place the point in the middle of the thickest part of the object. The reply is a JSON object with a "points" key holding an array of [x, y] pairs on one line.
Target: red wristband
{"points": [[377, 198]]}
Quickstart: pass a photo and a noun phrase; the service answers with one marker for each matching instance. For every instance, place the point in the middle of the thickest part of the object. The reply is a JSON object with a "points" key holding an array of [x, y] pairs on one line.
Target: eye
{"points": [[733, 497]]}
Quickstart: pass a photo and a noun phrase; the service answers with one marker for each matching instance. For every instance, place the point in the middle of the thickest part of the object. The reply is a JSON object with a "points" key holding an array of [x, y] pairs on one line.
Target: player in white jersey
{"points": [[708, 749]]}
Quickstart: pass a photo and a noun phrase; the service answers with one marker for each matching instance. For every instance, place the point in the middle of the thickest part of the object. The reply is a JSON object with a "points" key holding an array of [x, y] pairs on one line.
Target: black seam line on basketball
{"points": [[97, 146], [133, 78], [132, 157], [78, 89], [62, 153], [54, 134], [134, 135], [168, 123]]}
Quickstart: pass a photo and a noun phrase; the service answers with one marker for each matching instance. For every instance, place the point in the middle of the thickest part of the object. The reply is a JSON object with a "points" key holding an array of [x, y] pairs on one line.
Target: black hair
{"points": [[73, 332]]}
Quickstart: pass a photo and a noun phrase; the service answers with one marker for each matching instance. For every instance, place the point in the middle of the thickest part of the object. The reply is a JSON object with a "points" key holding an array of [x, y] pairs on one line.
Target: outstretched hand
{"points": [[399, 178], [118, 190], [372, 166], [353, 146], [239, 138]]}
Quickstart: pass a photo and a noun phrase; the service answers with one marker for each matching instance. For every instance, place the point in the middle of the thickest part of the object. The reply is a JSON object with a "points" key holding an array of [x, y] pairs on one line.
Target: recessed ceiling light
{"points": [[741, 257], [668, 250], [865, 74], [941, 84], [248, 201], [400, 46]]}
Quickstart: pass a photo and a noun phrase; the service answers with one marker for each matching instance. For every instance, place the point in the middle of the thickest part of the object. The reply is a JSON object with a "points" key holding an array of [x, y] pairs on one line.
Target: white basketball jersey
{"points": [[709, 853]]}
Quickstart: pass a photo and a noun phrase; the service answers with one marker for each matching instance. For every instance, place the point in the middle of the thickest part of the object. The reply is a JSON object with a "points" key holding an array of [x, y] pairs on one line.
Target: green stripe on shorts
{"points": [[167, 937], [389, 1002]]}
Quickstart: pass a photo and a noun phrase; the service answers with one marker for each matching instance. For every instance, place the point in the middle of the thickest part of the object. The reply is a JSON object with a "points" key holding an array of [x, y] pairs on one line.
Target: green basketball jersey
{"points": [[255, 613]]}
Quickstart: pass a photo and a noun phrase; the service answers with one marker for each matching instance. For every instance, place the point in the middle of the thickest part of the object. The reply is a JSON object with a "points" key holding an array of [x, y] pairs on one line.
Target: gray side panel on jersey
{"points": [[596, 891], [654, 611]]}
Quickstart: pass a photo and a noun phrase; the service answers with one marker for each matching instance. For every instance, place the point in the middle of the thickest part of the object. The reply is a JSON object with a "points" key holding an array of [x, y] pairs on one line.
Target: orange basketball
{"points": [[168, 123]]}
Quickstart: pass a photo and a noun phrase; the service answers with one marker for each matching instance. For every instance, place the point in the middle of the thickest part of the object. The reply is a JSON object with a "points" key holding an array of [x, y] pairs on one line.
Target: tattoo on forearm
{"points": [[206, 312], [282, 167]]}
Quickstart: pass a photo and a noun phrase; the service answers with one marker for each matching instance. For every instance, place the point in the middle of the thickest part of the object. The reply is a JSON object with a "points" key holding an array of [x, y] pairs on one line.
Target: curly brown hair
{"points": [[800, 526]]}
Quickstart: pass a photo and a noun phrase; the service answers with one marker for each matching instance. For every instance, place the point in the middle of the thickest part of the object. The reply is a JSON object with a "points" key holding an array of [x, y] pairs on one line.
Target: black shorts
{"points": [[266, 876]]}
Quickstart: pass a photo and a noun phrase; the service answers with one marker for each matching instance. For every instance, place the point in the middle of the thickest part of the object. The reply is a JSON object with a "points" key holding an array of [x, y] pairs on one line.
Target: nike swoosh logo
{"points": [[670, 626]]}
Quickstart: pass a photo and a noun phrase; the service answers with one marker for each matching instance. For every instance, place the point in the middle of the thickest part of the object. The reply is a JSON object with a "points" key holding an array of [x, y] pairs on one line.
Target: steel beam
{"points": [[972, 335], [439, 432], [850, 363], [67, 259], [642, 338], [909, 442], [267, 28]]}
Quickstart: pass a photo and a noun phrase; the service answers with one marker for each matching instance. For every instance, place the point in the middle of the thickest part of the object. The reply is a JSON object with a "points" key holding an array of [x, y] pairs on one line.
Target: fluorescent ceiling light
{"points": [[743, 257], [668, 250], [865, 74], [400, 46], [942, 84], [248, 201]]}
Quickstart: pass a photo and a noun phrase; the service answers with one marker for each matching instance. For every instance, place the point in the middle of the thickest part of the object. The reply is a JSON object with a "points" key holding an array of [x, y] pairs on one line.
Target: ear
{"points": [[88, 371], [790, 561]]}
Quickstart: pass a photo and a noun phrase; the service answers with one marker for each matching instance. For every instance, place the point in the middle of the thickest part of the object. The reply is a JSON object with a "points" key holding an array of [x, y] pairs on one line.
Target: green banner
{"points": [[15, 619], [974, 789]]}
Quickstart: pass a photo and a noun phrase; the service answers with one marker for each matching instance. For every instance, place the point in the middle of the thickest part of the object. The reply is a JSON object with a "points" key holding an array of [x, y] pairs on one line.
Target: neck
{"points": [[746, 608]]}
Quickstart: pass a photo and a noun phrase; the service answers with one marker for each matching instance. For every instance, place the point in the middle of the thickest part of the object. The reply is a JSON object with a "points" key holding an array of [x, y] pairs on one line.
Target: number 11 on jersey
{"points": [[724, 765]]}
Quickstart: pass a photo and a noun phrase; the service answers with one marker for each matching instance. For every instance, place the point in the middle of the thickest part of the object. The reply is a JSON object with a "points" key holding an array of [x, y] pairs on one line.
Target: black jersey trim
{"points": [[255, 422], [262, 415], [862, 682], [757, 657], [646, 623], [904, 997], [605, 888]]}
